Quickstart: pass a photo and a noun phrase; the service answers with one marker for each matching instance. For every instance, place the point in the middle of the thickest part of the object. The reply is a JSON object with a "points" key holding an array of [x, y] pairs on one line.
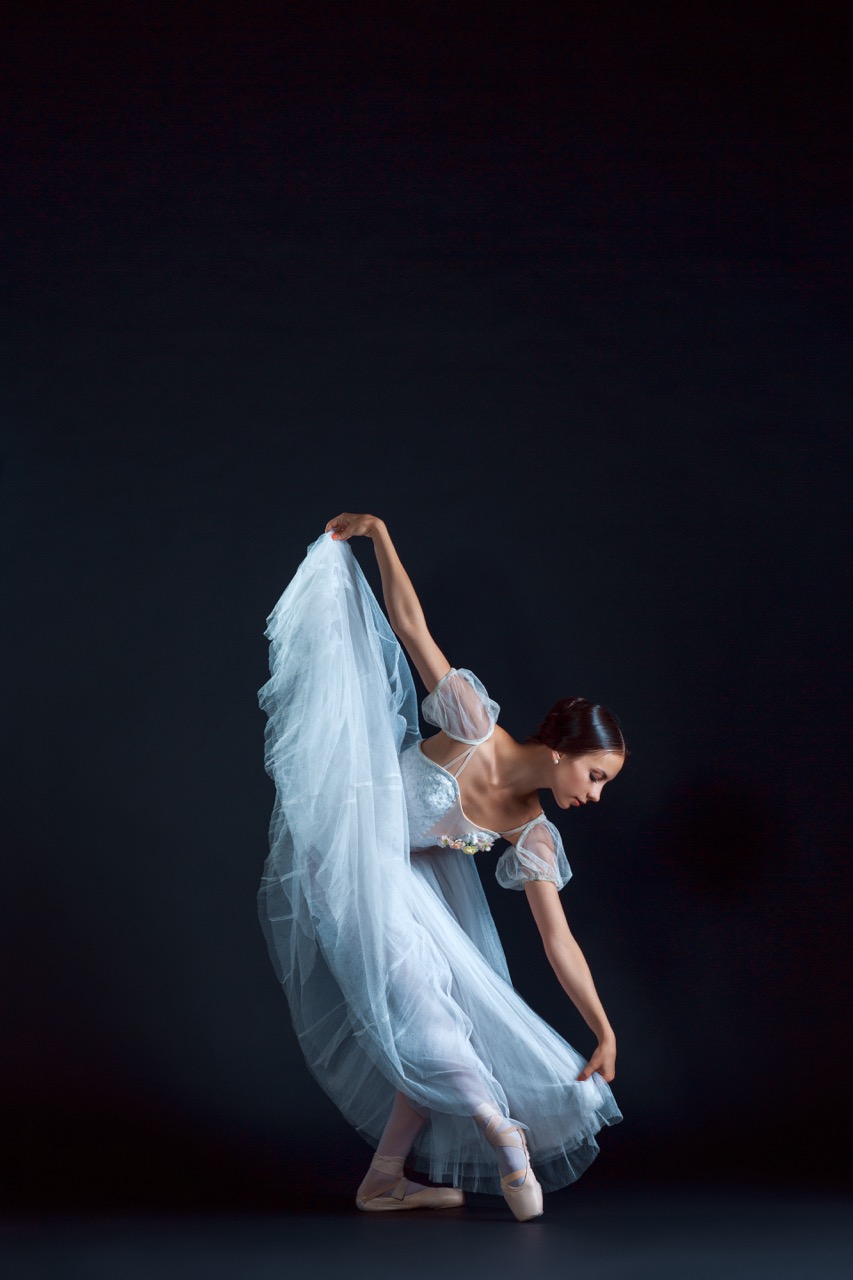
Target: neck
{"points": [[529, 766]]}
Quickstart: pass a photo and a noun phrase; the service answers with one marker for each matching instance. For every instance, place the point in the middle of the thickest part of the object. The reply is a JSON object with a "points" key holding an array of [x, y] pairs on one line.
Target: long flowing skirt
{"points": [[390, 961]]}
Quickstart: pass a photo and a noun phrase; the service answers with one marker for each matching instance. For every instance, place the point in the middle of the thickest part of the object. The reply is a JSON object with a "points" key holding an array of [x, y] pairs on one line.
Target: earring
{"points": [[556, 758]]}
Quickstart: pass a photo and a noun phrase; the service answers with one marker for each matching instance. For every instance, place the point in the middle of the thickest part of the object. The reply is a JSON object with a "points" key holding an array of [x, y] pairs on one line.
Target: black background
{"points": [[562, 293]]}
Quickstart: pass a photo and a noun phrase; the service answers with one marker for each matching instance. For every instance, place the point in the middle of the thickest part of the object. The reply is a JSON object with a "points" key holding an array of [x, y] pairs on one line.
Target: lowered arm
{"points": [[573, 973]]}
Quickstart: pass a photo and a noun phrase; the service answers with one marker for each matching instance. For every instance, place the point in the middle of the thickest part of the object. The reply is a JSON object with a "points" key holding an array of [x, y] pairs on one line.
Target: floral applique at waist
{"points": [[473, 842]]}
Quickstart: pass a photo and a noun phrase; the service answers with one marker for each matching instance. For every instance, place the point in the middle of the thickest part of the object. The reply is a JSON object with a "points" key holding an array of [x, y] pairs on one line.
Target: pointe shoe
{"points": [[526, 1199], [395, 1197]]}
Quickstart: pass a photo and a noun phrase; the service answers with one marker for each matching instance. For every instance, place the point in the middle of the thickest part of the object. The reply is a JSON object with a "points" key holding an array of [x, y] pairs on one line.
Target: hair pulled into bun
{"points": [[577, 727]]}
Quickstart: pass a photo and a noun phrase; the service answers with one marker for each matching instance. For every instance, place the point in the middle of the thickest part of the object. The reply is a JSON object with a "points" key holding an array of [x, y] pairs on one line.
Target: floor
{"points": [[598, 1236]]}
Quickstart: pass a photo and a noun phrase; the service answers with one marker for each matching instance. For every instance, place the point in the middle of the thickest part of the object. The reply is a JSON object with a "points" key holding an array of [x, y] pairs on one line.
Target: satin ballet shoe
{"points": [[395, 1197], [525, 1201]]}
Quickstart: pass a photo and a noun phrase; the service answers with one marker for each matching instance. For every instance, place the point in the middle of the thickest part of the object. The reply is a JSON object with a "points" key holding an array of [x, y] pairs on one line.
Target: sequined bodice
{"points": [[432, 802]]}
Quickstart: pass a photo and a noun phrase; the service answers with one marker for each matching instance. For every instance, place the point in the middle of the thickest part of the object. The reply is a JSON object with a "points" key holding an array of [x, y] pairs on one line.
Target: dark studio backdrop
{"points": [[560, 292]]}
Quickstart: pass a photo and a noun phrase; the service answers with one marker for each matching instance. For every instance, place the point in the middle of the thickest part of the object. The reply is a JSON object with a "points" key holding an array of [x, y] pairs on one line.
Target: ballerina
{"points": [[374, 911]]}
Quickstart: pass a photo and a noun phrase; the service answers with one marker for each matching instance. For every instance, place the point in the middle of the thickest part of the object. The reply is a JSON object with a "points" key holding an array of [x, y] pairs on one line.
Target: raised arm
{"points": [[401, 602], [568, 962]]}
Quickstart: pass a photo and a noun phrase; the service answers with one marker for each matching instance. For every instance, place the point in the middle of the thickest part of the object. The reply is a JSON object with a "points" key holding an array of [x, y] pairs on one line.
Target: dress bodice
{"points": [[434, 805], [460, 706]]}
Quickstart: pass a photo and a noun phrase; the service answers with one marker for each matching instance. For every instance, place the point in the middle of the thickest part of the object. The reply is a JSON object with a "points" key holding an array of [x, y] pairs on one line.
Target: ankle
{"points": [[388, 1164], [498, 1130], [485, 1112]]}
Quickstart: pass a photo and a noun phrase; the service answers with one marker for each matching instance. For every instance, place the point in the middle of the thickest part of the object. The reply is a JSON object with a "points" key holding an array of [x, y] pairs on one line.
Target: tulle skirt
{"points": [[390, 960]]}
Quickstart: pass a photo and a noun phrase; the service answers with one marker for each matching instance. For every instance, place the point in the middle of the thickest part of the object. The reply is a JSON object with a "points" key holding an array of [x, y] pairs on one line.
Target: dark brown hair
{"points": [[577, 727]]}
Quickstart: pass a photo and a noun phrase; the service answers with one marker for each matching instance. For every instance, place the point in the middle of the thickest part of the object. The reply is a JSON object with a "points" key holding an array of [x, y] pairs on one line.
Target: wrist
{"points": [[603, 1032], [376, 528]]}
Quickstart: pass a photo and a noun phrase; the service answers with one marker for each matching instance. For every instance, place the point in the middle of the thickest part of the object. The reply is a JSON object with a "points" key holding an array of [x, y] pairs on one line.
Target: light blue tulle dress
{"points": [[375, 917]]}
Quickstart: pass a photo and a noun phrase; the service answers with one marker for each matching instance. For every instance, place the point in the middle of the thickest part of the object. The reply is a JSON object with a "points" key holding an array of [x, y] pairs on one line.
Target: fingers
{"points": [[338, 526], [598, 1064], [590, 1068], [349, 525]]}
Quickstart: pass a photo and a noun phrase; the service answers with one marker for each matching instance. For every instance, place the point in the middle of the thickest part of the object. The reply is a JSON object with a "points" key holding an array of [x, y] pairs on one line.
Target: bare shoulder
{"points": [[502, 739], [442, 749], [439, 747]]}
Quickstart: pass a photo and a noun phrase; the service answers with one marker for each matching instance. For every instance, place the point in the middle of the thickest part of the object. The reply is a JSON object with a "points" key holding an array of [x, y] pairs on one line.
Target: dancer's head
{"points": [[587, 747]]}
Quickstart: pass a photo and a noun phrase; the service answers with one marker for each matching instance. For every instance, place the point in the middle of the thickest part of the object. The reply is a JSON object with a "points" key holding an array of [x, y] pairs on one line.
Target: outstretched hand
{"points": [[347, 525], [603, 1061]]}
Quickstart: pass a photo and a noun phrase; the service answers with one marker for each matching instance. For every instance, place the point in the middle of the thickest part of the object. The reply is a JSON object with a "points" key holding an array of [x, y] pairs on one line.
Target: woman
{"points": [[375, 914]]}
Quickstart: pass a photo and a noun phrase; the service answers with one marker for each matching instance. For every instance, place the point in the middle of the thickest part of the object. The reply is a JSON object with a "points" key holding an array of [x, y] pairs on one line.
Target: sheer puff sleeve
{"points": [[537, 855], [461, 707]]}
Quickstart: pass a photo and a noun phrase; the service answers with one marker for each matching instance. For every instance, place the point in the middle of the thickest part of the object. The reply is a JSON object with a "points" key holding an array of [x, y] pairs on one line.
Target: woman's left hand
{"points": [[603, 1061], [349, 525]]}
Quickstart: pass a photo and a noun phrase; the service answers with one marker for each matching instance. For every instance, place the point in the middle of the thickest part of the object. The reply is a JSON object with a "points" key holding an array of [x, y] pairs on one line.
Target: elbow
{"points": [[559, 946], [407, 626], [552, 946], [403, 628]]}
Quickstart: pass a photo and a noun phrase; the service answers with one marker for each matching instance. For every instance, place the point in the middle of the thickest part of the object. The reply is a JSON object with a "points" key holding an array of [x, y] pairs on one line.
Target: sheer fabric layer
{"points": [[537, 854], [391, 964], [461, 707]]}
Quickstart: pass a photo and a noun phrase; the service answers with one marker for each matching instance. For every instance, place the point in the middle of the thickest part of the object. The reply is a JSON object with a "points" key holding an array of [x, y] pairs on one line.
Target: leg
{"points": [[404, 1125], [384, 1186]]}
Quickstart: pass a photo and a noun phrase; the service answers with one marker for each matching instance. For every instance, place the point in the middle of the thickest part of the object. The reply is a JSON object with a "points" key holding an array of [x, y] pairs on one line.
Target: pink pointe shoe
{"points": [[525, 1200], [394, 1196]]}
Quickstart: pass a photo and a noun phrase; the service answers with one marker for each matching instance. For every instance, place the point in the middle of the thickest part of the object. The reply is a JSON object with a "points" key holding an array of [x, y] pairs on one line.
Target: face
{"points": [[579, 780]]}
